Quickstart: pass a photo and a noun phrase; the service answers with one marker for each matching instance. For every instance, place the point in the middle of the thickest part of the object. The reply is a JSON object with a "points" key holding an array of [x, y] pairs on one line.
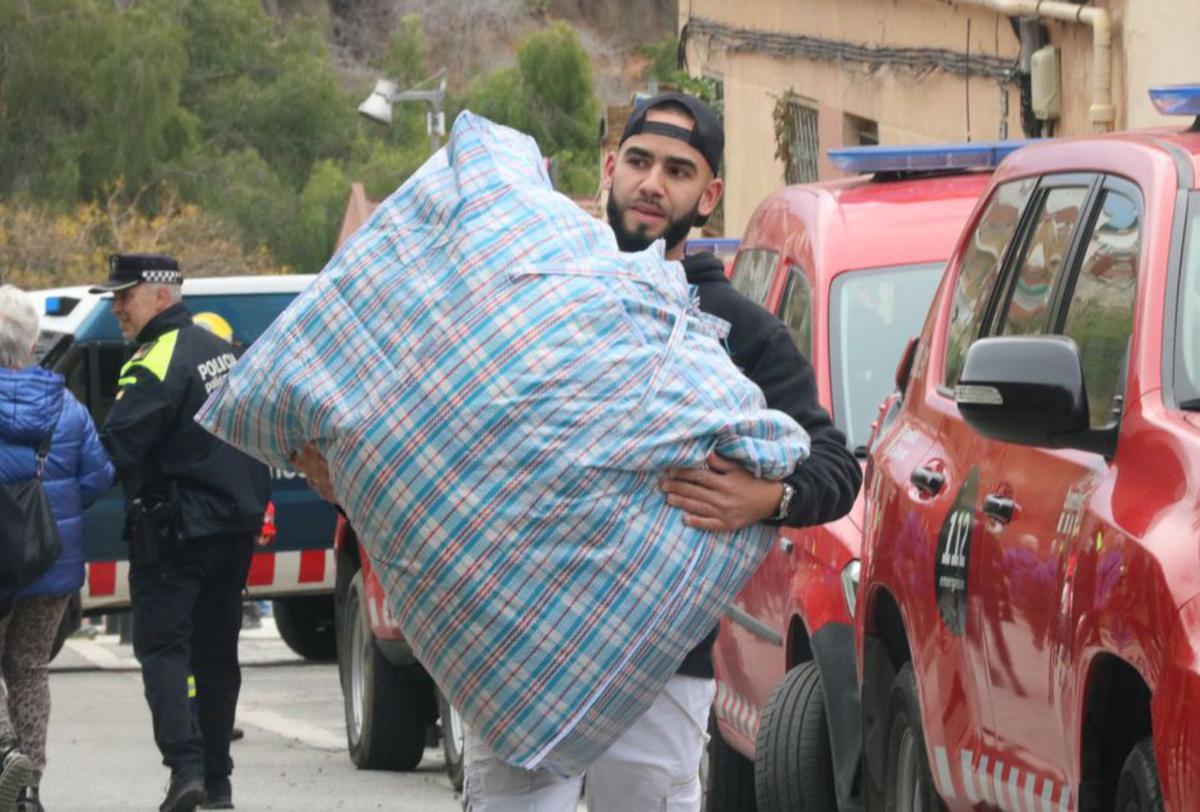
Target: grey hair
{"points": [[174, 292], [18, 328]]}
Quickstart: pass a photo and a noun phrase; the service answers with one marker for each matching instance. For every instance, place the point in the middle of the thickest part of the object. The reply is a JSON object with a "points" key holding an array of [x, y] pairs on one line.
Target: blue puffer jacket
{"points": [[77, 472]]}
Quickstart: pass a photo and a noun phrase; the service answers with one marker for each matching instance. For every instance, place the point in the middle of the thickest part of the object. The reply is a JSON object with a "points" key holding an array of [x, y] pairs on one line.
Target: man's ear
{"points": [[610, 166], [710, 197]]}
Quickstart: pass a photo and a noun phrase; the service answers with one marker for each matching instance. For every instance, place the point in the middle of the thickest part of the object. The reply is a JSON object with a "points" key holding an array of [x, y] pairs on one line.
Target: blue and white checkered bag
{"points": [[498, 391]]}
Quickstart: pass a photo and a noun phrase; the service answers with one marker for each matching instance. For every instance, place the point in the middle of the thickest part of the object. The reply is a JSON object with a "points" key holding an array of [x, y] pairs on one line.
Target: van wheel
{"points": [[386, 710], [72, 619], [793, 765], [454, 733], [907, 777], [306, 624], [1138, 790], [729, 783]]}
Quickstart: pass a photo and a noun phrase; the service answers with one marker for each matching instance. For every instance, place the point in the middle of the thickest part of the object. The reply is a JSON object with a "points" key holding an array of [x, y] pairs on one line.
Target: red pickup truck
{"points": [[1029, 613]]}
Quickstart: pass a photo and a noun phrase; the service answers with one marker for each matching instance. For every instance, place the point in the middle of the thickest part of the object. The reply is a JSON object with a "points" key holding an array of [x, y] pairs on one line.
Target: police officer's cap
{"points": [[127, 270]]}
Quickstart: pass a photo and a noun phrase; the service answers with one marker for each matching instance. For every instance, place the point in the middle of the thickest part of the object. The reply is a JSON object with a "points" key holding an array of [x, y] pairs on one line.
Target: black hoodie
{"points": [[762, 348]]}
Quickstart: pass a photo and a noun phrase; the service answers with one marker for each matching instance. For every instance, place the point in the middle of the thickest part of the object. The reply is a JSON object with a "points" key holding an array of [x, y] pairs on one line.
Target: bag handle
{"points": [[43, 448]]}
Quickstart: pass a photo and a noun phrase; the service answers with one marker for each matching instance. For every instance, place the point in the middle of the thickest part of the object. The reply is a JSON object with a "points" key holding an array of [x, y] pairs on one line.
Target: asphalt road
{"points": [[101, 753]]}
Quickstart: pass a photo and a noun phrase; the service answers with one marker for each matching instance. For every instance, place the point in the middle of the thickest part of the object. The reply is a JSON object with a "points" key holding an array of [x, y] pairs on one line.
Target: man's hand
{"points": [[725, 497], [310, 463]]}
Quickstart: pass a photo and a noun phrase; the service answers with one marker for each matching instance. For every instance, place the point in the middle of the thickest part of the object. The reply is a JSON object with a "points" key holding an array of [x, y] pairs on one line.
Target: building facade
{"points": [[800, 77]]}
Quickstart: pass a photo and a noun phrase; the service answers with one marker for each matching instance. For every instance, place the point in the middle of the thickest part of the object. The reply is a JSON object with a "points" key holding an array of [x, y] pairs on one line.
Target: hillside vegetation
{"points": [[224, 131]]}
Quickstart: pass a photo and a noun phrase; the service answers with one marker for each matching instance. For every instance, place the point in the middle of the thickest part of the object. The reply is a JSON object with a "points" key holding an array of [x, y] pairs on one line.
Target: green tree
{"points": [[88, 96], [549, 94], [664, 59], [314, 229]]}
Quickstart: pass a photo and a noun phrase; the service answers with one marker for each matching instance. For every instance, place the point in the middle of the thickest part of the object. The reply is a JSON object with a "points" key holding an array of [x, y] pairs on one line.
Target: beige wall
{"points": [[1148, 49], [1162, 41]]}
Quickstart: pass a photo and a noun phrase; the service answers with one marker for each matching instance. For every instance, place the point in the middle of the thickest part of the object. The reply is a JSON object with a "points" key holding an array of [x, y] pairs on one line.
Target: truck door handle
{"points": [[999, 508], [927, 480]]}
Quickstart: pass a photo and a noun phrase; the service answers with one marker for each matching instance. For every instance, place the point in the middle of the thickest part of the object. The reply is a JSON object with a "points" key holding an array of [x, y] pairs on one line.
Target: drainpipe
{"points": [[1102, 113]]}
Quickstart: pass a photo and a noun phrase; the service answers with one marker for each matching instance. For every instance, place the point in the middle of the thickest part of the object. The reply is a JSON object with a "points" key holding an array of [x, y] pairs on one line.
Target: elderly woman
{"points": [[34, 405]]}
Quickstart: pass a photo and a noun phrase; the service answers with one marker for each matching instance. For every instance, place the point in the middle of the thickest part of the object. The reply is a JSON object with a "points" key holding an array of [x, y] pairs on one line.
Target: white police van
{"points": [[80, 339]]}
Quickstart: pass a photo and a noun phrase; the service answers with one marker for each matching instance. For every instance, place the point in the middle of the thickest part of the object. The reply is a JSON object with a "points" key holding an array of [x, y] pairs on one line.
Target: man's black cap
{"points": [[707, 135], [127, 270]]}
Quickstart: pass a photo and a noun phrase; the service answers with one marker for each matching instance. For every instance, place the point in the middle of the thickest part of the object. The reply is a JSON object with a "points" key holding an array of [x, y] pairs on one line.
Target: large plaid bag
{"points": [[498, 392]]}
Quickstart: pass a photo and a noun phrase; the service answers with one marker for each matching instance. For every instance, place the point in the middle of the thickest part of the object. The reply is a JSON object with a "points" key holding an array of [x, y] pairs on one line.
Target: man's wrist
{"points": [[786, 495]]}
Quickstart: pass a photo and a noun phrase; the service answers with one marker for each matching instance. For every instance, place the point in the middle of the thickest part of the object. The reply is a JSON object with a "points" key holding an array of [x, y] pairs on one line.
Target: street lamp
{"points": [[378, 106]]}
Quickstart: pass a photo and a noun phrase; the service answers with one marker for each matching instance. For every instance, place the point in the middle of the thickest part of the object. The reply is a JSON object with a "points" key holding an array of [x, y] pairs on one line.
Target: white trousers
{"points": [[653, 767]]}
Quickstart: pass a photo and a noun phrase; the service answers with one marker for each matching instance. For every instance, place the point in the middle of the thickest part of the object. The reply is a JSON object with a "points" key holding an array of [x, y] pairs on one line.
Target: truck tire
{"points": [[1139, 790], [387, 709], [453, 741], [71, 620], [306, 624], [907, 777], [346, 569], [729, 784], [793, 764]]}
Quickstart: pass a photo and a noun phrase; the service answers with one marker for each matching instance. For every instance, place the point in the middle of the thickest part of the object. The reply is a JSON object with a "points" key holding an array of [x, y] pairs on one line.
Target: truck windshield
{"points": [[1187, 343], [872, 315]]}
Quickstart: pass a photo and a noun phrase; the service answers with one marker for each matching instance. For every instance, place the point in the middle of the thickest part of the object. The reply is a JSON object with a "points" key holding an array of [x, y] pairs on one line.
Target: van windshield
{"points": [[872, 315], [1187, 339]]}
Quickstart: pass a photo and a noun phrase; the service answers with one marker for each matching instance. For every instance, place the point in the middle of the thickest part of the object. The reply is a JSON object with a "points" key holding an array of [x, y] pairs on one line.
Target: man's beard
{"points": [[630, 241]]}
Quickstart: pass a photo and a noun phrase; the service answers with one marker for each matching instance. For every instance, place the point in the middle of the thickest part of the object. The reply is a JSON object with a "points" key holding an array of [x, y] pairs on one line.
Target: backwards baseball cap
{"points": [[707, 135], [127, 270]]}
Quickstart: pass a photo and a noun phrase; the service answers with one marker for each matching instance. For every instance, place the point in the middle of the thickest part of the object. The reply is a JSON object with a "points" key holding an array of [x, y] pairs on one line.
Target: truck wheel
{"points": [[729, 785], [454, 733], [346, 569], [386, 710], [71, 620], [1138, 790], [908, 780], [306, 624], [793, 764]]}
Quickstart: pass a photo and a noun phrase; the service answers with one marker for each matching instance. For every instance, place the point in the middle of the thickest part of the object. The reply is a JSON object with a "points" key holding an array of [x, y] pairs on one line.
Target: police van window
{"points": [[75, 370], [1028, 311], [796, 310], [753, 271], [105, 362], [979, 269], [248, 314], [1100, 314]]}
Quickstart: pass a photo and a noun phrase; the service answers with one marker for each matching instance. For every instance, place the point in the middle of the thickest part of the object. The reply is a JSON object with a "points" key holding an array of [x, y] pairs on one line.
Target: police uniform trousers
{"points": [[653, 767], [187, 613]]}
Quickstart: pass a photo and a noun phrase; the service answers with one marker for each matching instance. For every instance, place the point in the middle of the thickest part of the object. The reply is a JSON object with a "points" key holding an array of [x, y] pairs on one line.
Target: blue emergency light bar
{"points": [[1177, 100], [60, 305], [721, 246], [926, 157]]}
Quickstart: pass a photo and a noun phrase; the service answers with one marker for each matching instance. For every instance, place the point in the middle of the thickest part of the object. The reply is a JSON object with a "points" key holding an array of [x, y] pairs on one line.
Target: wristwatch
{"points": [[785, 502]]}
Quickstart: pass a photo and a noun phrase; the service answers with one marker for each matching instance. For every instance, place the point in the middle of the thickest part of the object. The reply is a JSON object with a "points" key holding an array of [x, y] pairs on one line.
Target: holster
{"points": [[155, 528]]}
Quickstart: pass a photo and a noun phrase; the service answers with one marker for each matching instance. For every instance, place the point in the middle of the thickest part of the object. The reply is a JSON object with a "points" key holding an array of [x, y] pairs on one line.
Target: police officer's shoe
{"points": [[220, 793], [184, 794], [16, 772]]}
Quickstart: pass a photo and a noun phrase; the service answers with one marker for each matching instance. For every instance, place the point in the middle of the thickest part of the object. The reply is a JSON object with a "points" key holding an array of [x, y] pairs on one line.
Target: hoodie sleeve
{"points": [[828, 481], [95, 472]]}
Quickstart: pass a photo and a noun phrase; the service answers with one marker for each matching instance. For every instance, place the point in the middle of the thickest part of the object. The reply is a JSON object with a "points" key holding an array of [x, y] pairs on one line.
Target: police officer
{"points": [[192, 507]]}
